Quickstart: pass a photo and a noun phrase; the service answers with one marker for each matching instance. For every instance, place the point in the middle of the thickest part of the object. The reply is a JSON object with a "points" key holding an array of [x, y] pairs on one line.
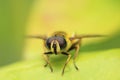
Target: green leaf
{"points": [[98, 65]]}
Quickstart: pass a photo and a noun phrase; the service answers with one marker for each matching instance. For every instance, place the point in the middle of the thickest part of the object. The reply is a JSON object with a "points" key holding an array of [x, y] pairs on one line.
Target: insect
{"points": [[61, 43]]}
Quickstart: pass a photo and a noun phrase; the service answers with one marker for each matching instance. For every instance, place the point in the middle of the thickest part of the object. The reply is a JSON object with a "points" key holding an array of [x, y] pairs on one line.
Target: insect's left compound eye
{"points": [[61, 41]]}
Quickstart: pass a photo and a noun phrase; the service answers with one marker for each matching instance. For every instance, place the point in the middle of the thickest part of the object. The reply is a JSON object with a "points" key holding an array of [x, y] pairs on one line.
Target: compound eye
{"points": [[61, 41], [48, 42]]}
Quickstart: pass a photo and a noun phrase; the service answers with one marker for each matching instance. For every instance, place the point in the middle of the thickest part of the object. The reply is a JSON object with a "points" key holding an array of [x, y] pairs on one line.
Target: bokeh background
{"points": [[13, 17], [19, 18]]}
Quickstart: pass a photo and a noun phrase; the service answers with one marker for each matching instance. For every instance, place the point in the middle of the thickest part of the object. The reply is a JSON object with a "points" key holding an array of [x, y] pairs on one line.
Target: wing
{"points": [[38, 37], [86, 36]]}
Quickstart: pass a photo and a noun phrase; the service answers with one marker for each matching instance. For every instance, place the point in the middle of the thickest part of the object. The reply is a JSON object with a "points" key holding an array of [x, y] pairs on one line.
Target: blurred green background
{"points": [[19, 18], [13, 17]]}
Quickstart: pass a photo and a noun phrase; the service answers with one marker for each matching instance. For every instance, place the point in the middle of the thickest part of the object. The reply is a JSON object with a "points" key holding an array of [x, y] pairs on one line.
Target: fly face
{"points": [[56, 43]]}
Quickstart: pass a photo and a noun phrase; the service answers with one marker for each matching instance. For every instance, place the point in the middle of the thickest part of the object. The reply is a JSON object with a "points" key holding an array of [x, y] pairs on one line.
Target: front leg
{"points": [[68, 59], [46, 62], [45, 56]]}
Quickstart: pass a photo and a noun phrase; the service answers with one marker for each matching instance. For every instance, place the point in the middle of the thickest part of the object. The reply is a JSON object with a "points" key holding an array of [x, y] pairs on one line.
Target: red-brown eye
{"points": [[61, 41]]}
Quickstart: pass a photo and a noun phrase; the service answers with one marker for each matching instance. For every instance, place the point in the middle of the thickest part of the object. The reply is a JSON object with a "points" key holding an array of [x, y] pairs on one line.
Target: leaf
{"points": [[98, 65]]}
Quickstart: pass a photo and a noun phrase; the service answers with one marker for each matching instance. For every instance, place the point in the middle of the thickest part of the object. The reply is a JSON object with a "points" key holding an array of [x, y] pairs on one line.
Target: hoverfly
{"points": [[61, 43]]}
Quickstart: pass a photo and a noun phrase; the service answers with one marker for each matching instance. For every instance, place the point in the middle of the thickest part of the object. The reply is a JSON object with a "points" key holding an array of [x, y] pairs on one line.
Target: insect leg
{"points": [[68, 59], [45, 56], [77, 47], [46, 62]]}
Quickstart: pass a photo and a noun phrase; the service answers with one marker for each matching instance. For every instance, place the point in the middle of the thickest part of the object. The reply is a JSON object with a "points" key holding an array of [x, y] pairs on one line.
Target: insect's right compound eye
{"points": [[48, 42]]}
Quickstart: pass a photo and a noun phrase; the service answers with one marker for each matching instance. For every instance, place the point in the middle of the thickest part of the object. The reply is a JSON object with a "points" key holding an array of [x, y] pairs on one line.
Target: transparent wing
{"points": [[38, 37], [86, 36]]}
